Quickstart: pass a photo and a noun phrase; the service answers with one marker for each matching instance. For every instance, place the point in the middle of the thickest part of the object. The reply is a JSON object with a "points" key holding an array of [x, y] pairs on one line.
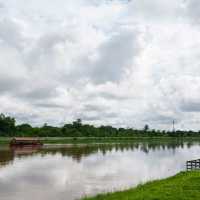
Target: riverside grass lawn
{"points": [[183, 186], [88, 140]]}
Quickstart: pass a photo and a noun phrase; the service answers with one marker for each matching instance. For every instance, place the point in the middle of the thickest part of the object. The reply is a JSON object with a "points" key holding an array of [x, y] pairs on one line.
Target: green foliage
{"points": [[146, 127], [78, 129], [7, 125], [184, 186]]}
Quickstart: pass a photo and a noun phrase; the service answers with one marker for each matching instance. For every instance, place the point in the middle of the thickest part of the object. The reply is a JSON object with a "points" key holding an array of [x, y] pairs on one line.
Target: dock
{"points": [[193, 165]]}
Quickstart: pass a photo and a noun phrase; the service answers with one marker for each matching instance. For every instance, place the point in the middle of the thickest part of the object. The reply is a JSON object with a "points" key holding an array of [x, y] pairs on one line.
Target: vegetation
{"points": [[8, 128], [184, 186]]}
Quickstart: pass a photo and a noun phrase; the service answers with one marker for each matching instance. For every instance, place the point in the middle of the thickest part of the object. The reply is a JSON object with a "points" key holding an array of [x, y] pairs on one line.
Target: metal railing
{"points": [[193, 165]]}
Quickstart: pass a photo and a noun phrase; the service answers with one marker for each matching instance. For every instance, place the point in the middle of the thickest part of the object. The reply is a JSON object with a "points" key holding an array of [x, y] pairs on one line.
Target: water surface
{"points": [[68, 172]]}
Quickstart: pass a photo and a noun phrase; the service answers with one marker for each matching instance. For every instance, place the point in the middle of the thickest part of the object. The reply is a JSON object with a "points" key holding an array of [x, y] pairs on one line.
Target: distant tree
{"points": [[77, 129], [7, 125], [24, 128], [77, 123], [45, 125], [146, 127]]}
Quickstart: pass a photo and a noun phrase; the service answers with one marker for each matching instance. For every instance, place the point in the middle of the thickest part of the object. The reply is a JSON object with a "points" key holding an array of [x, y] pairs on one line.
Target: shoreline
{"points": [[183, 186], [104, 140]]}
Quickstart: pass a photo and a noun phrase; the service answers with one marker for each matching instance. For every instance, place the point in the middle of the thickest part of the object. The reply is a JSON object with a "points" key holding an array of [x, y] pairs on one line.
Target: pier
{"points": [[193, 165]]}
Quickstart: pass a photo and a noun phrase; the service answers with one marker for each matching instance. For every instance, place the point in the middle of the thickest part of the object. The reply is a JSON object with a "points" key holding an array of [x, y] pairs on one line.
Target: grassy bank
{"points": [[86, 140], [183, 186]]}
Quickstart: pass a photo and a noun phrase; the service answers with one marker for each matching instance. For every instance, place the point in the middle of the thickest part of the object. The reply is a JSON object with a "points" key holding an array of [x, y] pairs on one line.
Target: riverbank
{"points": [[183, 186], [99, 140]]}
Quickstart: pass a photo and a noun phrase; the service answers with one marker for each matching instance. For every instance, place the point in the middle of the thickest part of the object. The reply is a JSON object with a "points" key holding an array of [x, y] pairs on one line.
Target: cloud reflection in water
{"points": [[65, 173]]}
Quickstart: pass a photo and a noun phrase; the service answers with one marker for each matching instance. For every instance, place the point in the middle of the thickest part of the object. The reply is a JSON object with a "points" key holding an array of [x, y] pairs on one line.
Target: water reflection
{"points": [[70, 171]]}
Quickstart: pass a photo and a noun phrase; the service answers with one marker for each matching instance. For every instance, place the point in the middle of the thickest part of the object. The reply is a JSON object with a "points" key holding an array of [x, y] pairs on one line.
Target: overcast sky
{"points": [[112, 62]]}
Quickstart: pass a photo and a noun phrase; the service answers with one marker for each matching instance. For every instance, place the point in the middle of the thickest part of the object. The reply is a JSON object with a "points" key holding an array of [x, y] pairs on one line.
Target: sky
{"points": [[124, 63]]}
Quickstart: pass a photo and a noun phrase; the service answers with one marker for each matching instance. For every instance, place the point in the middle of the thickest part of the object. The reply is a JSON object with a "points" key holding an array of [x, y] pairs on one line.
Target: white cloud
{"points": [[124, 63]]}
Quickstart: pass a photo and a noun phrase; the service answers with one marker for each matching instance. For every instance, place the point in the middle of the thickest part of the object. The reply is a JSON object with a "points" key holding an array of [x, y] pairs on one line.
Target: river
{"points": [[68, 172]]}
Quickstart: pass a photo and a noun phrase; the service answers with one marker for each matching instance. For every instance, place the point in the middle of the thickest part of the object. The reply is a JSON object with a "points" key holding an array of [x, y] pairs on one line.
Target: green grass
{"points": [[183, 186], [4, 140], [79, 140], [86, 140]]}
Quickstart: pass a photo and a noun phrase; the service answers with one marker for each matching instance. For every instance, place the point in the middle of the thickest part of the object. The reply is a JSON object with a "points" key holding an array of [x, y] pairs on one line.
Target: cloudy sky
{"points": [[114, 62]]}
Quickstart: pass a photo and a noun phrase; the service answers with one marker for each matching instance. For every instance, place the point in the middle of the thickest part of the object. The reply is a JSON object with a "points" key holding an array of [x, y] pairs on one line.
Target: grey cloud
{"points": [[96, 112], [113, 58], [90, 118], [2, 5], [161, 119], [94, 107], [157, 10], [114, 96], [49, 105], [8, 84], [43, 48], [38, 93], [190, 106], [22, 117], [98, 116], [104, 69], [193, 10], [10, 34]]}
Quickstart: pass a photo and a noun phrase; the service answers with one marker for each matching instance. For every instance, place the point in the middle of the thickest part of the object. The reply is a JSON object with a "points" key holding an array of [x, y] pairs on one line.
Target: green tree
{"points": [[7, 125], [146, 128], [77, 123]]}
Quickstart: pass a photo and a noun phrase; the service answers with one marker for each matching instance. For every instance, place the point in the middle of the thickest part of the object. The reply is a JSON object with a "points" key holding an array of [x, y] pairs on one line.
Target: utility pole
{"points": [[173, 130]]}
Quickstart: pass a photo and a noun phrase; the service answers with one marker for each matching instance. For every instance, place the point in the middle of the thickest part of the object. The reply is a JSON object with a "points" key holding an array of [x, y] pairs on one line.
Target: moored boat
{"points": [[24, 141]]}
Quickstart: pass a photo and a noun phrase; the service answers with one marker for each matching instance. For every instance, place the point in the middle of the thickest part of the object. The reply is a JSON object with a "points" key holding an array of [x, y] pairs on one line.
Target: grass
{"points": [[86, 140], [183, 186], [4, 140], [78, 140], [83, 140]]}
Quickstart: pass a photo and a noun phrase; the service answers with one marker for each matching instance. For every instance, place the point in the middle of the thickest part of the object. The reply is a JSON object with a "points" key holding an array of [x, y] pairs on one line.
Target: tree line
{"points": [[9, 128]]}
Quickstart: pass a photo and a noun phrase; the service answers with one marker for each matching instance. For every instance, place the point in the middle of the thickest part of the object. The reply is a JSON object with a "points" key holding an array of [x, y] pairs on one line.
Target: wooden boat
{"points": [[24, 141]]}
